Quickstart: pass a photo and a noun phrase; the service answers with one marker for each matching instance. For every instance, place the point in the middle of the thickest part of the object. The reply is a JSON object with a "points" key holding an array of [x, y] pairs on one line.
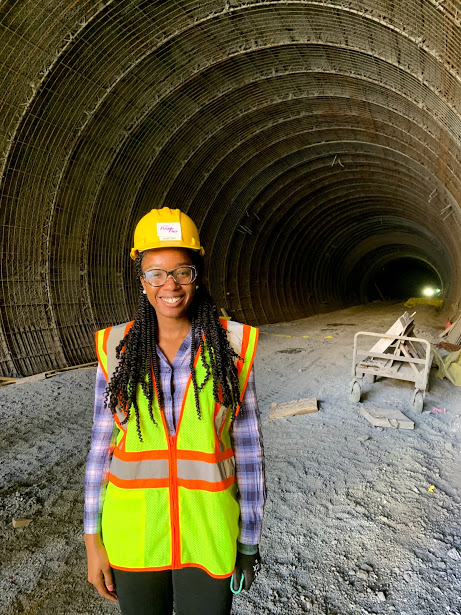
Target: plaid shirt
{"points": [[245, 435]]}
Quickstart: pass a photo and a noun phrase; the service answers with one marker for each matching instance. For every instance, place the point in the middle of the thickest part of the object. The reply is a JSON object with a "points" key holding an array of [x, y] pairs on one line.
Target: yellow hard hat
{"points": [[165, 228]]}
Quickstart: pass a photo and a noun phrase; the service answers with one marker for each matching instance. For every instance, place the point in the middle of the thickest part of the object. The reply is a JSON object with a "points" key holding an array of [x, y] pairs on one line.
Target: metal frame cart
{"points": [[401, 357]]}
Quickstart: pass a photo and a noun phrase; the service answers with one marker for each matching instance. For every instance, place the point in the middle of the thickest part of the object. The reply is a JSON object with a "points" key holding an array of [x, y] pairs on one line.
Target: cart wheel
{"points": [[354, 395], [417, 402]]}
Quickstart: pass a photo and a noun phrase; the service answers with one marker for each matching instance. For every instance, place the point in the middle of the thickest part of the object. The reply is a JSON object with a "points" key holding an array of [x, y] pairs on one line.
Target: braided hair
{"points": [[139, 362]]}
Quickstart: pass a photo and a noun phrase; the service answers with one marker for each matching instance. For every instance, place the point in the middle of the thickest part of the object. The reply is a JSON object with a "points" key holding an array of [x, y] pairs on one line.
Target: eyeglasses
{"points": [[181, 275]]}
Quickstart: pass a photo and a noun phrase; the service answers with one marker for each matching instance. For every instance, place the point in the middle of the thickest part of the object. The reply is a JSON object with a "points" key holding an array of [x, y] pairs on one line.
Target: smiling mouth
{"points": [[171, 300]]}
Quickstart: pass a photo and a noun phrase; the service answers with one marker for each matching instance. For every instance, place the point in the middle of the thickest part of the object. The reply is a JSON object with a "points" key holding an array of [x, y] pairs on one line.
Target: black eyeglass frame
{"points": [[172, 273]]}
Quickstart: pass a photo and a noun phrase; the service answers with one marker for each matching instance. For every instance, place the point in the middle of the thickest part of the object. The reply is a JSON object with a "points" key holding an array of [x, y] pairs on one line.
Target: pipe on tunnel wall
{"points": [[309, 141]]}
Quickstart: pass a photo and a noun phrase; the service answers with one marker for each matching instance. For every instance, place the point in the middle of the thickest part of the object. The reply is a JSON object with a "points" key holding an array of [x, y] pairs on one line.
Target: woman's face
{"points": [[171, 300]]}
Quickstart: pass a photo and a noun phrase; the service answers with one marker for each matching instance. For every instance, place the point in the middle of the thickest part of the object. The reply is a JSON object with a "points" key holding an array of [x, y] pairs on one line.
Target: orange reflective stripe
{"points": [[183, 565], [215, 576], [250, 364], [208, 457], [205, 485], [138, 483], [150, 569], [141, 456]]}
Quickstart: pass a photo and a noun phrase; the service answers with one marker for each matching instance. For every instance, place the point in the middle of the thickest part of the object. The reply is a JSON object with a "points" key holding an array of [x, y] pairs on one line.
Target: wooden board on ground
{"points": [[292, 408], [387, 417], [21, 522]]}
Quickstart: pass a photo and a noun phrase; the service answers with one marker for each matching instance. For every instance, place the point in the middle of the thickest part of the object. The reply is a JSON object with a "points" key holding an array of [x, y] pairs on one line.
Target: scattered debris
{"points": [[453, 332], [5, 381], [291, 350], [438, 410], [431, 488], [21, 522], [454, 554], [292, 408], [364, 438], [387, 417], [448, 346], [381, 596]]}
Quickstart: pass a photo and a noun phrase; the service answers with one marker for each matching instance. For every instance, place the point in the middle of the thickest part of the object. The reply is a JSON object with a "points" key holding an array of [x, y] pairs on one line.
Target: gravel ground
{"points": [[358, 520]]}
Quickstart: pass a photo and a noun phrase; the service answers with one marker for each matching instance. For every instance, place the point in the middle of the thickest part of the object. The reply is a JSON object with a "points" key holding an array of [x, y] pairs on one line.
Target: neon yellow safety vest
{"points": [[171, 501]]}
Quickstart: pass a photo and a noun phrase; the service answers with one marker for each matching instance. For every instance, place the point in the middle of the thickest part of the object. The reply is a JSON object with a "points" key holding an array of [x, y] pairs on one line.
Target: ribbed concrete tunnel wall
{"points": [[312, 142]]}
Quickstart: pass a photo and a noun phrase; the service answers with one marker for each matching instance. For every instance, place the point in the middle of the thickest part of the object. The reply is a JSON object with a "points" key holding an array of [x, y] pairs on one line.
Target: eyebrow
{"points": [[177, 265]]}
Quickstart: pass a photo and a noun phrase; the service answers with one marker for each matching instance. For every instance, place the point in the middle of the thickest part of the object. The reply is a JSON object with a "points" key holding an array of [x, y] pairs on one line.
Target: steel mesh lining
{"points": [[310, 141]]}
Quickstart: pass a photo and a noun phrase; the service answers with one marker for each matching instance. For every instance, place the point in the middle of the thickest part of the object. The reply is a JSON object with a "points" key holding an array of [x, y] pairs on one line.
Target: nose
{"points": [[170, 282]]}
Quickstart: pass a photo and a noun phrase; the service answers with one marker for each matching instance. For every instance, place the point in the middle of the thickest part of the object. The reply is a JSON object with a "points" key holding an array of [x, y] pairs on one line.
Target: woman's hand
{"points": [[246, 566], [99, 570]]}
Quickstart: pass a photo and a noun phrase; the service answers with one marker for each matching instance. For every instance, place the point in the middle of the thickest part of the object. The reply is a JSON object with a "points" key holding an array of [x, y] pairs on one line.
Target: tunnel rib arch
{"points": [[306, 139]]}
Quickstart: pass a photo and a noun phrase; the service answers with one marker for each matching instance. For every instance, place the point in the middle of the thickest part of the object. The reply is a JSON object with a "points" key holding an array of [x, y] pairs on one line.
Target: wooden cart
{"points": [[402, 357]]}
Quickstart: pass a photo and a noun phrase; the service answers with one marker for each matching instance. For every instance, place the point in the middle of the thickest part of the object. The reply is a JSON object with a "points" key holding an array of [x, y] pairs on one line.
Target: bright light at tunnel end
{"points": [[430, 292]]}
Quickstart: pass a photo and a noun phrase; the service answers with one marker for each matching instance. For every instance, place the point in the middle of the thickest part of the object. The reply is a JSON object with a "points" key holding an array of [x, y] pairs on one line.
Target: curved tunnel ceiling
{"points": [[311, 141]]}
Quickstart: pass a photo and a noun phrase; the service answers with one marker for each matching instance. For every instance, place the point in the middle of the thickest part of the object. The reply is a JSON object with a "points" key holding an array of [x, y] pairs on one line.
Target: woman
{"points": [[175, 477]]}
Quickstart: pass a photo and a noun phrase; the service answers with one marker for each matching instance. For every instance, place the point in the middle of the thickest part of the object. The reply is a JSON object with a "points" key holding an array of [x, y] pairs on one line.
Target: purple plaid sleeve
{"points": [[97, 468], [249, 459]]}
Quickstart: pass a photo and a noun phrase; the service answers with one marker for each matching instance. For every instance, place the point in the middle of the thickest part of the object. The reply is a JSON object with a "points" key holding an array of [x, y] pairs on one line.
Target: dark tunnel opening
{"points": [[403, 278]]}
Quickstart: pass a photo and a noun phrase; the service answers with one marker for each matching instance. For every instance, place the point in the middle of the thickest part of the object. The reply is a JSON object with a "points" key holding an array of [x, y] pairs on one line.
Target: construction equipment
{"points": [[397, 354]]}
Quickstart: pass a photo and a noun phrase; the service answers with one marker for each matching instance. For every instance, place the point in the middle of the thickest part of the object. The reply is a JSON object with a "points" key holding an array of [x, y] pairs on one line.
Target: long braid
{"points": [[138, 357], [221, 354], [135, 353]]}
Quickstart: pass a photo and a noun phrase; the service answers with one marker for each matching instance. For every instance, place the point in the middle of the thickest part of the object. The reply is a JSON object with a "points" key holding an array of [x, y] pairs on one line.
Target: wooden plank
{"points": [[449, 329], [292, 408], [20, 522], [454, 337], [387, 417], [397, 358], [400, 326]]}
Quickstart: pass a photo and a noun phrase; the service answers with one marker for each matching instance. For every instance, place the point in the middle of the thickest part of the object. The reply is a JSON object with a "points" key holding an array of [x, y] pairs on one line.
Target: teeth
{"points": [[171, 299]]}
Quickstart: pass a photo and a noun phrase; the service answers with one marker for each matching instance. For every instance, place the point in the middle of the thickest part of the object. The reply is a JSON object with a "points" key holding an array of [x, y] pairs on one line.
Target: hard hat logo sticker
{"points": [[169, 231]]}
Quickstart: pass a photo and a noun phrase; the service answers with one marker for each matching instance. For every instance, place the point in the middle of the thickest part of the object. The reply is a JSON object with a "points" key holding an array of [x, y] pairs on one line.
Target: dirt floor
{"points": [[358, 520]]}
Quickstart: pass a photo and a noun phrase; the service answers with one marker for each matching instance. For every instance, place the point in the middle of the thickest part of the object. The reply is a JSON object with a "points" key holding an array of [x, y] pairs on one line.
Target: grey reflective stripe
{"points": [[147, 468], [187, 469], [120, 415], [235, 335], [115, 336], [218, 421], [210, 472]]}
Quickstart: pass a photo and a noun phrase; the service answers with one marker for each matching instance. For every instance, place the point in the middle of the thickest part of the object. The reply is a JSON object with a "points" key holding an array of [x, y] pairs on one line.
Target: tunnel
{"points": [[315, 144]]}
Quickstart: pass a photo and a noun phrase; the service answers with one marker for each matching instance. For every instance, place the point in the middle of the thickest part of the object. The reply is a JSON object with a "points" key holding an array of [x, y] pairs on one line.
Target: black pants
{"points": [[193, 591]]}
